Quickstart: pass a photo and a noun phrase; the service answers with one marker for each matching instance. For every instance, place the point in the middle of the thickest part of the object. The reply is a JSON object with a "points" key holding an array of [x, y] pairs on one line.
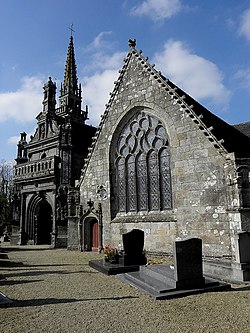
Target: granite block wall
{"points": [[203, 200]]}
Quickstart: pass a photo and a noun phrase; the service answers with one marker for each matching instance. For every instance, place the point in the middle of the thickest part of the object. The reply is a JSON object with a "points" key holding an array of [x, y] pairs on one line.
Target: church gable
{"points": [[140, 84], [164, 163]]}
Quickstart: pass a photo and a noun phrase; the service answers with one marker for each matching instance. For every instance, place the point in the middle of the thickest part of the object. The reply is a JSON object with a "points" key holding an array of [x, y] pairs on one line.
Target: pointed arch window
{"points": [[120, 172], [142, 182], [142, 166]]}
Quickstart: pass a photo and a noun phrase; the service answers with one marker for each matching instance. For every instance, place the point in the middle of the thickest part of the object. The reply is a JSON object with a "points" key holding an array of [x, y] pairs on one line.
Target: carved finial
{"points": [[132, 43]]}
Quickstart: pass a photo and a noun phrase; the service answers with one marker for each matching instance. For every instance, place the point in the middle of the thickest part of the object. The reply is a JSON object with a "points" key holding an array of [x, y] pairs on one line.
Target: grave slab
{"points": [[163, 282], [162, 286], [112, 269]]}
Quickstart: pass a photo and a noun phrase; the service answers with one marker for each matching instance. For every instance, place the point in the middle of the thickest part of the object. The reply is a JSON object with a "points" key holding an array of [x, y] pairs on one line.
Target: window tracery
{"points": [[142, 166]]}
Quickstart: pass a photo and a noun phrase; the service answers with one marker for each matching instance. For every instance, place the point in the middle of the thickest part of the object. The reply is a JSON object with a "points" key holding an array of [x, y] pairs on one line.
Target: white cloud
{"points": [[102, 61], [96, 89], [99, 40], [198, 76], [97, 86], [243, 78], [24, 104], [157, 10], [244, 26], [13, 140]]}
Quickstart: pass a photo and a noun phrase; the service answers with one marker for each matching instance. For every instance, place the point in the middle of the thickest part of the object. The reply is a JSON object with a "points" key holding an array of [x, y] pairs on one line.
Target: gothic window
{"points": [[131, 184], [142, 166], [120, 169], [153, 178], [142, 182]]}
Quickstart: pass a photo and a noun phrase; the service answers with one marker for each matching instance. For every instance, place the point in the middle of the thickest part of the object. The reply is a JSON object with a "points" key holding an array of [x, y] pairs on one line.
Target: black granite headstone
{"points": [[133, 244], [242, 246], [188, 263]]}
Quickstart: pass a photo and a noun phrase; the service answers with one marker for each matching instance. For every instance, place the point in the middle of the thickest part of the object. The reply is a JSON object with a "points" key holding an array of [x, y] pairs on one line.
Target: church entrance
{"points": [[38, 227], [43, 223], [91, 234]]}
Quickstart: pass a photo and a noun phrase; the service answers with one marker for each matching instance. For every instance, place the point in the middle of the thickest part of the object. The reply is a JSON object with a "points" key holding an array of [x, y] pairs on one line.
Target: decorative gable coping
{"points": [[172, 92], [177, 99]]}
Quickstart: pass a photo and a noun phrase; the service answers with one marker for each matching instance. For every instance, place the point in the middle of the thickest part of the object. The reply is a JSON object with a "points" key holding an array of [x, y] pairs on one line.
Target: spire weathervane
{"points": [[71, 29]]}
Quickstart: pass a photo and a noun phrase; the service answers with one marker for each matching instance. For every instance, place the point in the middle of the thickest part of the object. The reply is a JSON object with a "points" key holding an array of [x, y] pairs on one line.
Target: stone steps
{"points": [[158, 281], [147, 282], [161, 273]]}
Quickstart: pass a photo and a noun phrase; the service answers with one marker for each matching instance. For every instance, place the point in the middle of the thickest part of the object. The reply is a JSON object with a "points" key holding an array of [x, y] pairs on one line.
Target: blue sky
{"points": [[202, 46]]}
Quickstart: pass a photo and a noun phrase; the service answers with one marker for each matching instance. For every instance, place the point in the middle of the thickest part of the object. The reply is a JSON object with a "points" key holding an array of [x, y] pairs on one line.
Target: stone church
{"points": [[49, 164], [159, 161], [162, 163]]}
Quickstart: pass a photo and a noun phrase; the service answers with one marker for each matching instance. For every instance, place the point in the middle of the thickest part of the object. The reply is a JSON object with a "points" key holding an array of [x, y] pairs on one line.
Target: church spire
{"points": [[70, 76], [70, 98]]}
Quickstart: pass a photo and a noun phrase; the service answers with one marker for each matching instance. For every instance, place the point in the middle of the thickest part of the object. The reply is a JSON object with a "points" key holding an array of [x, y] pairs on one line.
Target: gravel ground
{"points": [[55, 290]]}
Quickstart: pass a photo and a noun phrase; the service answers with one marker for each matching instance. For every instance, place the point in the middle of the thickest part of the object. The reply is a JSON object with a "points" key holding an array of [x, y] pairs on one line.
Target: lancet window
{"points": [[142, 166]]}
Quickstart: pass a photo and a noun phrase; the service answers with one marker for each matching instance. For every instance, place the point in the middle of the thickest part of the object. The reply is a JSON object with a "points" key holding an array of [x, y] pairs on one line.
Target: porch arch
{"points": [[39, 221]]}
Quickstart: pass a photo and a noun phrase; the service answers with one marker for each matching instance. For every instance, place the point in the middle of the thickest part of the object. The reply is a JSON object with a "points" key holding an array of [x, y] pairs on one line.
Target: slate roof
{"points": [[232, 138], [244, 128]]}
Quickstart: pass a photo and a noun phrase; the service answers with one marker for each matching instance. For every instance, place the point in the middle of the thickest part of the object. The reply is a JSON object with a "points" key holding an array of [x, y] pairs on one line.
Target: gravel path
{"points": [[54, 290]]}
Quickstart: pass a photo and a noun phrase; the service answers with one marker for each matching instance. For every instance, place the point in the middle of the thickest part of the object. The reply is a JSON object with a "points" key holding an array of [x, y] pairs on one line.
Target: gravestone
{"points": [[242, 247], [188, 263], [130, 259], [163, 282], [133, 245]]}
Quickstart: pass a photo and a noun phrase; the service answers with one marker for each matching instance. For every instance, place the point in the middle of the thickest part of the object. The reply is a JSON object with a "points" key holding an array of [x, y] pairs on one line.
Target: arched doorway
{"points": [[43, 223], [38, 227], [91, 234]]}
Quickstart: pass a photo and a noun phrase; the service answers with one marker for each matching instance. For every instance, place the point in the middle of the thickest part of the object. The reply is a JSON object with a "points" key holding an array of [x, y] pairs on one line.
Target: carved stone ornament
{"points": [[101, 192]]}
